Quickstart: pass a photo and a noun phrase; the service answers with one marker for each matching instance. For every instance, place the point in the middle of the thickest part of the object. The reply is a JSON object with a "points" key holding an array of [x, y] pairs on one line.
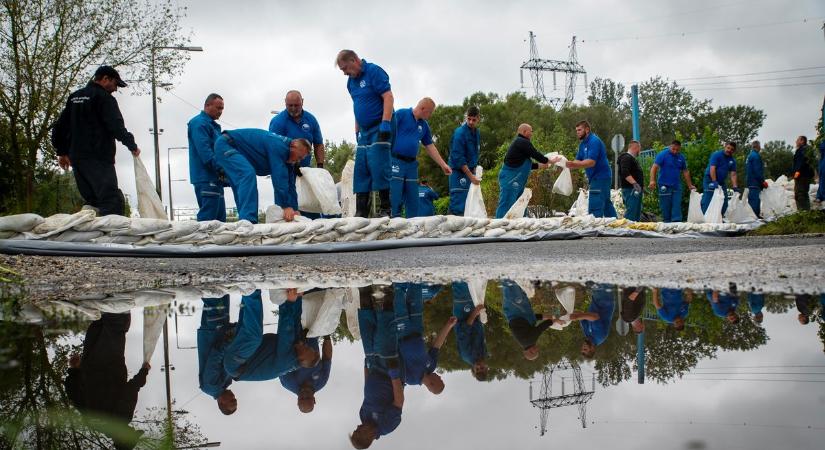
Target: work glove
{"points": [[384, 131], [795, 175], [637, 189], [713, 185], [764, 184], [223, 180], [298, 171]]}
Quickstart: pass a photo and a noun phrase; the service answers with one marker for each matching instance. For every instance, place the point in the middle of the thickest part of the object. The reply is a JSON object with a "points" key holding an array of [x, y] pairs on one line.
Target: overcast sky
{"points": [[254, 51]]}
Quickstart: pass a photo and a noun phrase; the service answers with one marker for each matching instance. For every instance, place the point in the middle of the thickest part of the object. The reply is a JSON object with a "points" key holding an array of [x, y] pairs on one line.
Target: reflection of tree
{"points": [[153, 422], [671, 354]]}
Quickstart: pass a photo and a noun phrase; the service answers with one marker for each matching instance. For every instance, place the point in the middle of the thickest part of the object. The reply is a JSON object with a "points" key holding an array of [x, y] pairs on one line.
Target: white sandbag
{"points": [[478, 292], [695, 208], [347, 196], [19, 223], [106, 224], [328, 315], [567, 299], [77, 236], [141, 226], [580, 206], [149, 204], [316, 192], [714, 212], [739, 211], [564, 183], [59, 223], [351, 305], [474, 205], [153, 319], [773, 201], [517, 210]]}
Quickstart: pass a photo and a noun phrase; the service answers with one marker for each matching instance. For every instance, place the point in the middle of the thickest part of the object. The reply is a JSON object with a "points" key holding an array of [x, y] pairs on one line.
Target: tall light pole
{"points": [[169, 177], [155, 107]]}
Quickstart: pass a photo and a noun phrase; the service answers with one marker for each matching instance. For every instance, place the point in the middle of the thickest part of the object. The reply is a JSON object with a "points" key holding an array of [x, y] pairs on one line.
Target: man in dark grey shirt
{"points": [[630, 174]]}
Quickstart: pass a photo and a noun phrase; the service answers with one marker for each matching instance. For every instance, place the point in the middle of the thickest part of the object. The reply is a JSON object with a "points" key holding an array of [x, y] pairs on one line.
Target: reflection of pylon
{"points": [[547, 400]]}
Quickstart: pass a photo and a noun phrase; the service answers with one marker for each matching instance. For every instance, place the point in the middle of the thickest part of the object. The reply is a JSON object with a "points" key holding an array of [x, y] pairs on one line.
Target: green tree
{"points": [[47, 48], [778, 158], [738, 123], [665, 107], [606, 92], [336, 157]]}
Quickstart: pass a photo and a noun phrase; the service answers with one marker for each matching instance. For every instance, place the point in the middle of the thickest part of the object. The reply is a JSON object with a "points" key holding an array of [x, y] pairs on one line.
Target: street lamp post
{"points": [[155, 107], [169, 177]]}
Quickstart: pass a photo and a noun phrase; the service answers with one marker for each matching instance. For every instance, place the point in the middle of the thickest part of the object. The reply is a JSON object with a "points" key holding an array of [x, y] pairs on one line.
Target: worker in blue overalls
{"points": [[672, 306], [242, 154], [755, 174], [724, 305], [756, 302], [596, 322], [464, 151], [294, 122], [418, 362], [411, 131], [202, 131], [380, 412], [426, 197], [669, 163], [518, 162], [372, 103], [305, 382], [524, 323], [469, 331], [820, 191], [720, 165], [592, 157]]}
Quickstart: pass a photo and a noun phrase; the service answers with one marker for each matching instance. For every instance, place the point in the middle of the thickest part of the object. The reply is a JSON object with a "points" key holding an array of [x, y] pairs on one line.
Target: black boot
{"points": [[362, 204], [385, 209]]}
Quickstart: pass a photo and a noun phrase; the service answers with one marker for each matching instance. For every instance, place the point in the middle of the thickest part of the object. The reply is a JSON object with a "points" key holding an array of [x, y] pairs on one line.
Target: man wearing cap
{"points": [[84, 138], [202, 131], [372, 103]]}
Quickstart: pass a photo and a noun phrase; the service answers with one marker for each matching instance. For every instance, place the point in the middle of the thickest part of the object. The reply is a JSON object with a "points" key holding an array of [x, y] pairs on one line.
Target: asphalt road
{"points": [[773, 264]]}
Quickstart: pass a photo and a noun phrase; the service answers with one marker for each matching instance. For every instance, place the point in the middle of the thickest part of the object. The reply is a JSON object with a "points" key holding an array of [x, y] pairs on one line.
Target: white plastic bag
{"points": [[567, 299], [695, 208], [347, 196], [316, 191], [564, 182], [739, 211], [149, 204], [714, 212], [580, 207], [478, 292], [474, 205], [517, 210], [153, 319]]}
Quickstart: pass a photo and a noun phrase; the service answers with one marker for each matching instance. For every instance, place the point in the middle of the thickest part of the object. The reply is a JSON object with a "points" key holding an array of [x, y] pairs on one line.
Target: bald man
{"points": [[412, 130], [518, 162]]}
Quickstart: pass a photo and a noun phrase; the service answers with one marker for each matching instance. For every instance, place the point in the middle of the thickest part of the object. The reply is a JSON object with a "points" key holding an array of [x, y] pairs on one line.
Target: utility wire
{"points": [[799, 69], [753, 379], [720, 424], [703, 83], [782, 366], [758, 87], [756, 373]]}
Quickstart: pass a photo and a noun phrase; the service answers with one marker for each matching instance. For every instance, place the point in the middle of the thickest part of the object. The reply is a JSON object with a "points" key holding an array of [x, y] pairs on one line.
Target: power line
{"points": [[703, 83], [799, 69], [781, 366], [196, 108], [757, 373], [719, 424], [753, 379], [758, 87]]}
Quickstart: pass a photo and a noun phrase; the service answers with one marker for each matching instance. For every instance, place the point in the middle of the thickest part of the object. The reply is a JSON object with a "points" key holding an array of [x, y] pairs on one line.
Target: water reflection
{"points": [[413, 347]]}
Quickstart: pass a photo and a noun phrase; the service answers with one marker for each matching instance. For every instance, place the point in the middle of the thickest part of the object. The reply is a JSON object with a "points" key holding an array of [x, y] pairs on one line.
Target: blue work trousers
{"points": [[707, 196], [378, 337], [511, 183], [372, 163], [820, 191], [408, 304], [249, 333], [242, 176], [753, 200], [632, 204], [670, 202], [404, 187], [211, 204], [599, 202], [459, 186]]}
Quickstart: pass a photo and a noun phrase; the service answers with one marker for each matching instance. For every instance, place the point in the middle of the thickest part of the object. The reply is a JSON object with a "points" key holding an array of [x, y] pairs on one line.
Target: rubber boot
{"points": [[385, 209], [362, 204]]}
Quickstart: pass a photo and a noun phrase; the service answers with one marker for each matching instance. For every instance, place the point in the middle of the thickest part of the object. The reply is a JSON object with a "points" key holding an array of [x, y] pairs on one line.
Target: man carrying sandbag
{"points": [[84, 138], [630, 174], [518, 162], [720, 165], [669, 163], [244, 153], [464, 150]]}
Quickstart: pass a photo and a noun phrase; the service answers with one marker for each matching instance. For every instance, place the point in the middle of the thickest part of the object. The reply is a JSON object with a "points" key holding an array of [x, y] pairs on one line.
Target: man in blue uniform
{"points": [[596, 322], [84, 138], [720, 165], [592, 157], [202, 131], [756, 302], [426, 197], [464, 150], [380, 411], [803, 173], [669, 163], [244, 153], [672, 306], [755, 177], [411, 130], [372, 103], [524, 323], [417, 361], [518, 162], [469, 331], [724, 305], [305, 382]]}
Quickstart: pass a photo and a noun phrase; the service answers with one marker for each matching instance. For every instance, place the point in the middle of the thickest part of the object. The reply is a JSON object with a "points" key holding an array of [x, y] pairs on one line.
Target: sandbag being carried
{"points": [[478, 292], [695, 208], [474, 205], [714, 212], [347, 196], [316, 192], [564, 182], [149, 204], [517, 210], [153, 319]]}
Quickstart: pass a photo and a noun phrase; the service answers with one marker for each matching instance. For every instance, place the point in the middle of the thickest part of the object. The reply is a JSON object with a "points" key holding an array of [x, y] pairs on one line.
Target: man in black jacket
{"points": [[803, 172], [84, 138], [630, 174]]}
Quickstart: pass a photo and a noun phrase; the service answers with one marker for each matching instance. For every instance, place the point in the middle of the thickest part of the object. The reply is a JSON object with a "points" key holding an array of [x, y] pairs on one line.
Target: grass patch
{"points": [[797, 223]]}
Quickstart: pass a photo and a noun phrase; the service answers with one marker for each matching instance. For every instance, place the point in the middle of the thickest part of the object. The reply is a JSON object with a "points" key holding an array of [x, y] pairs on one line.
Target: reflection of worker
{"points": [[805, 308], [525, 324], [672, 306], [464, 151], [97, 380], [469, 331], [596, 325], [380, 412], [633, 303], [724, 305], [756, 302], [305, 382]]}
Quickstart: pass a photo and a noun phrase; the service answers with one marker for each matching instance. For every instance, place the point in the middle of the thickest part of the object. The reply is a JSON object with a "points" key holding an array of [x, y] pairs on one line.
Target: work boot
{"points": [[362, 204], [385, 209]]}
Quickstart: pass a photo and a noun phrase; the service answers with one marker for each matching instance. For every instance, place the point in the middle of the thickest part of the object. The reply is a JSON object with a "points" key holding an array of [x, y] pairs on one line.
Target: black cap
{"points": [[110, 72]]}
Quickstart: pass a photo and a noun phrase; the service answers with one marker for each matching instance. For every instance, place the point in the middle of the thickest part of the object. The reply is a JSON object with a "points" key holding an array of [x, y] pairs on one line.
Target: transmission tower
{"points": [[537, 66], [547, 400]]}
